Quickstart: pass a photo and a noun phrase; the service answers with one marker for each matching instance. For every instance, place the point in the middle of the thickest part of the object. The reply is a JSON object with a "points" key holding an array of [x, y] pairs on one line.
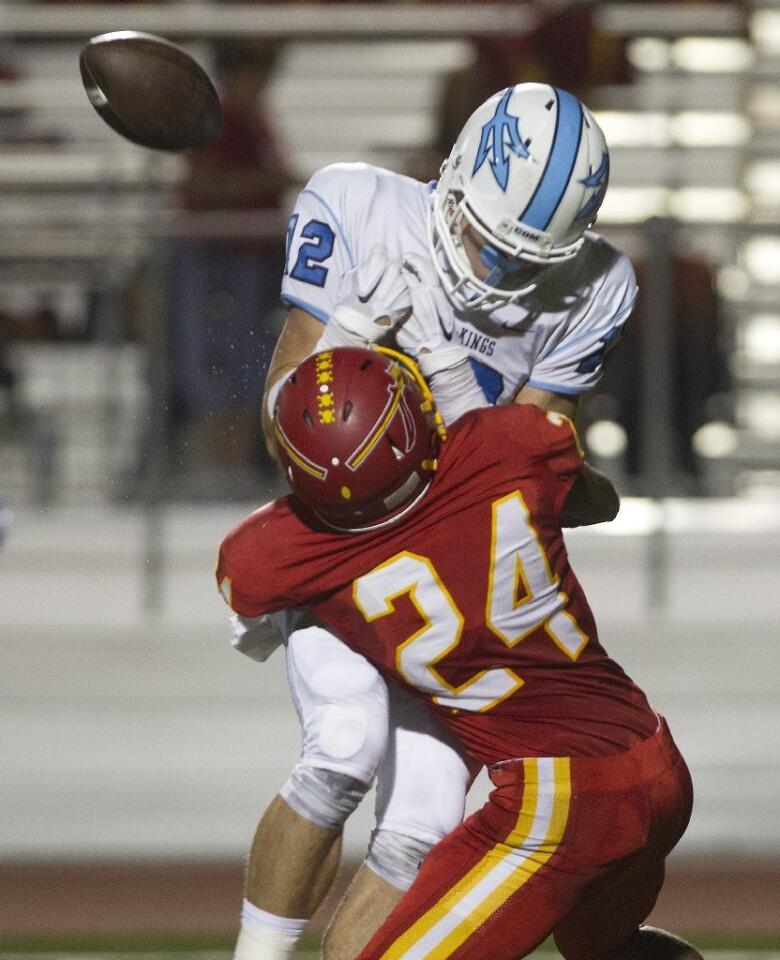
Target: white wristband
{"points": [[349, 328], [444, 358]]}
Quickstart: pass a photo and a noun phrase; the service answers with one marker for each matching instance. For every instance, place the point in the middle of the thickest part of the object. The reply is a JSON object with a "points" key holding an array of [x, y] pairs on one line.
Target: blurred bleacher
{"points": [[128, 725], [693, 140]]}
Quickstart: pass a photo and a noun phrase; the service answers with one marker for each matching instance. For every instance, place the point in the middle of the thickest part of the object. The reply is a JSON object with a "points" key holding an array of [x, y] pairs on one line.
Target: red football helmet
{"points": [[357, 435]]}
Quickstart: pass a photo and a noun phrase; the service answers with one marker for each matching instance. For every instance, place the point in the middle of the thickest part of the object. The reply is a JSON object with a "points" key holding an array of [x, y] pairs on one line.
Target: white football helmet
{"points": [[523, 182]]}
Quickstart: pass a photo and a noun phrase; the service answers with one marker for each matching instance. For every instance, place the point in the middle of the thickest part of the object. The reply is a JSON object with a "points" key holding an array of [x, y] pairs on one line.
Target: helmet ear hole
{"points": [[347, 410], [308, 420]]}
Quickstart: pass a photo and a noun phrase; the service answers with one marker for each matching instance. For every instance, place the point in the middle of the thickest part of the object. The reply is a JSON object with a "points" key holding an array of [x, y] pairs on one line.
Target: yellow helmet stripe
{"points": [[298, 458], [379, 428]]}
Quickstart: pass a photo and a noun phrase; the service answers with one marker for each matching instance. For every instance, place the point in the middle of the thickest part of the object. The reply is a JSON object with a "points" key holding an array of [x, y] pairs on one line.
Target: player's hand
{"points": [[427, 329], [373, 298], [428, 337]]}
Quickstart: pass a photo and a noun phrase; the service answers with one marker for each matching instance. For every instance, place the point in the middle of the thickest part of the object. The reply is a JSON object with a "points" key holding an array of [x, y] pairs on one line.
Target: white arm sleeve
{"points": [[452, 381]]}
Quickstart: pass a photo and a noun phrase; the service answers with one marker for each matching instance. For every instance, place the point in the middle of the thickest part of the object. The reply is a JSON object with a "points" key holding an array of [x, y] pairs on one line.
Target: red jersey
{"points": [[469, 601]]}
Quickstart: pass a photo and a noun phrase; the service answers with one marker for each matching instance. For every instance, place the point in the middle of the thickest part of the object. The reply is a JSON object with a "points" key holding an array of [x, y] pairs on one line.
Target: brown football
{"points": [[150, 91]]}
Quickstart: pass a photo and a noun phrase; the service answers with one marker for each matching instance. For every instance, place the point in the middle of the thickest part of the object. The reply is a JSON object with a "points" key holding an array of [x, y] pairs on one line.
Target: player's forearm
{"points": [[273, 382], [592, 499], [547, 400], [296, 341]]}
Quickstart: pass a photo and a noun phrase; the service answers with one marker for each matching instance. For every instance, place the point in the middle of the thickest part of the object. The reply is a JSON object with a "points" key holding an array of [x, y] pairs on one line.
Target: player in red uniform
{"points": [[470, 603]]}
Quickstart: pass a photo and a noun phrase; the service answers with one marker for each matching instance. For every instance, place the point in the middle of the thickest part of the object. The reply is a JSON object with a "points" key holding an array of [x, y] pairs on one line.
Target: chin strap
{"points": [[498, 263]]}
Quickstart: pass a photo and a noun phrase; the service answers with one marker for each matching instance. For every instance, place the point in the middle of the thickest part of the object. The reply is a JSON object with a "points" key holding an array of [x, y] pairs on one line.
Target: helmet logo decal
{"points": [[556, 177], [375, 434], [324, 378], [599, 180], [500, 136], [410, 429]]}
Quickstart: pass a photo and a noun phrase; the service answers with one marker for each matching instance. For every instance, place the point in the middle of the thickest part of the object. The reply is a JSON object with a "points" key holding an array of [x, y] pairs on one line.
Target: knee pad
{"points": [[396, 858], [324, 797], [341, 701]]}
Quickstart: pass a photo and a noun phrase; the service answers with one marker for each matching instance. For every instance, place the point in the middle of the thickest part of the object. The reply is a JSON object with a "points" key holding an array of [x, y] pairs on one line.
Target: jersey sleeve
{"points": [[249, 577], [558, 445], [323, 236], [573, 364], [536, 439]]}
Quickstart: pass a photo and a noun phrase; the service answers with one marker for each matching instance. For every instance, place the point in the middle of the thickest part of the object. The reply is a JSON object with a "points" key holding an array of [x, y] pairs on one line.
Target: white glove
{"points": [[427, 336], [373, 298], [427, 330]]}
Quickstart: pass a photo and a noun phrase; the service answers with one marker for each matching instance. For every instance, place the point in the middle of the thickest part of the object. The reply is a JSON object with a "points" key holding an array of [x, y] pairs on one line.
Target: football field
{"points": [[767, 951], [736, 954]]}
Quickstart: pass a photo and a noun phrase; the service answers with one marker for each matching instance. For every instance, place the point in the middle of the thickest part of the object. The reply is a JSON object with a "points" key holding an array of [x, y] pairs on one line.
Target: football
{"points": [[150, 91]]}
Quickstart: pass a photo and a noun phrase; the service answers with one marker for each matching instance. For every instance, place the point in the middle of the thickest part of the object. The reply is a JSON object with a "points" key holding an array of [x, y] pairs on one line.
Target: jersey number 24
{"points": [[522, 596]]}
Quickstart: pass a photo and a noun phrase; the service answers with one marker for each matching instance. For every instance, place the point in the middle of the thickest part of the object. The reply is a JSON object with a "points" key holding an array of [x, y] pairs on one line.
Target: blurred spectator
{"points": [[699, 368], [7, 375], [566, 48], [13, 118], [222, 288], [8, 71], [5, 521]]}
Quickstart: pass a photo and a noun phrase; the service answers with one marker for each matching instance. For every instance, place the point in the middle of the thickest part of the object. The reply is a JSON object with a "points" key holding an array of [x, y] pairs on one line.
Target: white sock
{"points": [[265, 936]]}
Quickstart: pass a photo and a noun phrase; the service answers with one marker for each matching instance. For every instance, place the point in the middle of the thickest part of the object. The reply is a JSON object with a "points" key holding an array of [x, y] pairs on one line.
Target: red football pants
{"points": [[569, 846]]}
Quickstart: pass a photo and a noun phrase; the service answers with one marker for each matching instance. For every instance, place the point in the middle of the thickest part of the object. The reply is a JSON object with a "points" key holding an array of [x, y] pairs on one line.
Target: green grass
{"points": [[143, 946]]}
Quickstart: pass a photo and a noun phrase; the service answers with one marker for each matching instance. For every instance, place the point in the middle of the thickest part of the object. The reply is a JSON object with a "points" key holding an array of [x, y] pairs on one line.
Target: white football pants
{"points": [[354, 723]]}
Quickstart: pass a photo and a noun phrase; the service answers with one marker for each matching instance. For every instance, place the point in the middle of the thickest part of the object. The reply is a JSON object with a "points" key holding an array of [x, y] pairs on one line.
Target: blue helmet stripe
{"points": [[560, 162]]}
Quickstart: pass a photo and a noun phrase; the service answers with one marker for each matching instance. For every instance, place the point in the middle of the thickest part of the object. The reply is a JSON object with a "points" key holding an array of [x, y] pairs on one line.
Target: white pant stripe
{"points": [[505, 867]]}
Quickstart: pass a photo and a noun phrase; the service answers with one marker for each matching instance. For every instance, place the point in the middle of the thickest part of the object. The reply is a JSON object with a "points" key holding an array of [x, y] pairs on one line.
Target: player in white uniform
{"points": [[492, 281]]}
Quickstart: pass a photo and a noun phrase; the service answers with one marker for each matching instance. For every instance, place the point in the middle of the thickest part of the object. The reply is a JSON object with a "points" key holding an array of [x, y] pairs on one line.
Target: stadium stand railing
{"points": [[126, 722], [692, 141]]}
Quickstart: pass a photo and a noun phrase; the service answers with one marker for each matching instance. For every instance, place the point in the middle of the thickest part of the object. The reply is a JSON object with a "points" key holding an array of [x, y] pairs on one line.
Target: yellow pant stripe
{"points": [[500, 873]]}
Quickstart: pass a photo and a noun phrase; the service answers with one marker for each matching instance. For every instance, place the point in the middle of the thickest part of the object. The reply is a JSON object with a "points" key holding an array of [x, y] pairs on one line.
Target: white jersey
{"points": [[554, 339]]}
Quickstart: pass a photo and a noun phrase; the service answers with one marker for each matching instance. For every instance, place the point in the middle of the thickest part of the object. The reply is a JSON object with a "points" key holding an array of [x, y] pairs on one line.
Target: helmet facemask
{"points": [[515, 266]]}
